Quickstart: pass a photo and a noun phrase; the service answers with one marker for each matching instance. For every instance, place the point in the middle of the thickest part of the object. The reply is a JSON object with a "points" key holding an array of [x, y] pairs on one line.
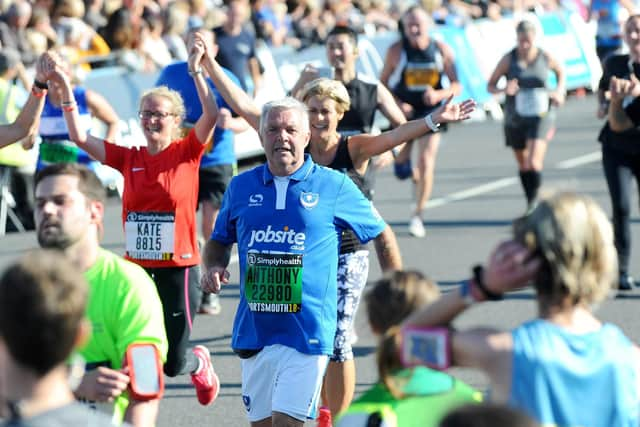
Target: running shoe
{"points": [[210, 304], [205, 379], [626, 282], [403, 170], [416, 227], [324, 417]]}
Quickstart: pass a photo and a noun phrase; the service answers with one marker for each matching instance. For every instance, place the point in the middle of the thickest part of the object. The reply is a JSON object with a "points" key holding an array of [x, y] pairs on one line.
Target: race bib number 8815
{"points": [[150, 235]]}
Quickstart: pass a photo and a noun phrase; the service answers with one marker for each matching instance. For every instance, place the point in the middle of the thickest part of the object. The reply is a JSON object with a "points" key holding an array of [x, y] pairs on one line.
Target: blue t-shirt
{"points": [[176, 76], [288, 248], [569, 380], [234, 52], [609, 30]]}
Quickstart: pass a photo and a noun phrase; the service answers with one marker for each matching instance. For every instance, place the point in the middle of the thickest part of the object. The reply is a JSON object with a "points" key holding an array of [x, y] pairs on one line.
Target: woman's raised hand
{"points": [[449, 112]]}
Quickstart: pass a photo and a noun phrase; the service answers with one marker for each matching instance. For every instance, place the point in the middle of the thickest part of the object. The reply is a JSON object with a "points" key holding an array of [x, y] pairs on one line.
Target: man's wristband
{"points": [[193, 73], [478, 279], [435, 127], [40, 85]]}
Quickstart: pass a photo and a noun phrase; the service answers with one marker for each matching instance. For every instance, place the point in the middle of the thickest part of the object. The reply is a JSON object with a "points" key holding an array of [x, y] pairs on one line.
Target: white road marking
{"points": [[506, 182], [596, 156], [471, 192]]}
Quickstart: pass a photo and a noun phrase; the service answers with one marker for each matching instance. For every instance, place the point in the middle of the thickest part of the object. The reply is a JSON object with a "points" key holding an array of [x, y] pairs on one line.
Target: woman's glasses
{"points": [[146, 114]]}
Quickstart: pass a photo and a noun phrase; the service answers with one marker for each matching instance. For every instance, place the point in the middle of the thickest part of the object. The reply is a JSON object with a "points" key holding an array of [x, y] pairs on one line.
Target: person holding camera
{"points": [[564, 367]]}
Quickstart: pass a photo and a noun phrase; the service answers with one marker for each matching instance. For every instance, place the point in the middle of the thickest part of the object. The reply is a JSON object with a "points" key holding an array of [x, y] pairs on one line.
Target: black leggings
{"points": [[619, 170], [177, 285]]}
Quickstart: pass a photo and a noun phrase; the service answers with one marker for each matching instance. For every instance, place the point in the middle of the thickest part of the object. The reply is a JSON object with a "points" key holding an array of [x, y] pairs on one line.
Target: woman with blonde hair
{"points": [[158, 206], [564, 367]]}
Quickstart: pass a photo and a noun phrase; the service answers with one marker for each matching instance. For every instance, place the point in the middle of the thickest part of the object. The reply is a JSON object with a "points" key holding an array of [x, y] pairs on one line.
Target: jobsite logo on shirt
{"points": [[287, 235]]}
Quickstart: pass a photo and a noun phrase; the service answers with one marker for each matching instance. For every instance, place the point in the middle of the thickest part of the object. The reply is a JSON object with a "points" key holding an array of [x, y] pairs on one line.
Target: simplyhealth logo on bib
{"points": [[286, 236]]}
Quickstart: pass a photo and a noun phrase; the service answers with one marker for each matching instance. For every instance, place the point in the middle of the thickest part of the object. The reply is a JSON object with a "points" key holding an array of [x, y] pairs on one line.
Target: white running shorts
{"points": [[281, 379]]}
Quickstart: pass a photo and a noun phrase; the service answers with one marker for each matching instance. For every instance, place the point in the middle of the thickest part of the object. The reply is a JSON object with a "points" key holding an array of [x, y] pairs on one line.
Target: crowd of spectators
{"points": [[146, 35]]}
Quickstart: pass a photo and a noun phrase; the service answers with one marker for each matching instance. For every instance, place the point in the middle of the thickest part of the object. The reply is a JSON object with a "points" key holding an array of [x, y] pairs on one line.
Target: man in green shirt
{"points": [[123, 308]]}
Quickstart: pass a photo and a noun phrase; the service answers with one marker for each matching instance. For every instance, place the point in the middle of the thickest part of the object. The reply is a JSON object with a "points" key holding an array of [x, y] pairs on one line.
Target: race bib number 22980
{"points": [[273, 282]]}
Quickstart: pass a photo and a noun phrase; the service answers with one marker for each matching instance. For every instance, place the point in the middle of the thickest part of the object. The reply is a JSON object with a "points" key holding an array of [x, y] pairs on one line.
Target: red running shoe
{"points": [[205, 379], [324, 417]]}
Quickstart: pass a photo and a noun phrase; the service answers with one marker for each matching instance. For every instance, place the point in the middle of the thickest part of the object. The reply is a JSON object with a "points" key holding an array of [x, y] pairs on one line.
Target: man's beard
{"points": [[53, 238]]}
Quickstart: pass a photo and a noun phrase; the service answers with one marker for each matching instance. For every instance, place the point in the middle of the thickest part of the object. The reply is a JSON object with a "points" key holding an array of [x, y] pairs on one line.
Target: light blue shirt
{"points": [[570, 380]]}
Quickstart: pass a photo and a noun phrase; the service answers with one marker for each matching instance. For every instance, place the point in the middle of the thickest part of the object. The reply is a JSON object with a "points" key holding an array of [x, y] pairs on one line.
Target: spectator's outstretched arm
{"points": [[198, 50], [27, 121], [362, 147], [237, 98], [92, 145]]}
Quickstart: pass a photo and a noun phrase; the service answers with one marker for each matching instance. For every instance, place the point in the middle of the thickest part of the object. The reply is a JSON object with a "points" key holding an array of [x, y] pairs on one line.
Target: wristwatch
{"points": [[435, 127]]}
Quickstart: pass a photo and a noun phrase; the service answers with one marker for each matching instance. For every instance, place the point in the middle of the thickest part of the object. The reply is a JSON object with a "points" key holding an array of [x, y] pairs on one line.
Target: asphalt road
{"points": [[476, 195]]}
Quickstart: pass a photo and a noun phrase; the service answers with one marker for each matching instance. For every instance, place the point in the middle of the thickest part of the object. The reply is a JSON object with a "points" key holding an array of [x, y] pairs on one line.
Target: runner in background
{"points": [[620, 148], [529, 116], [623, 119], [406, 396], [609, 16], [158, 207], [218, 163], [414, 70]]}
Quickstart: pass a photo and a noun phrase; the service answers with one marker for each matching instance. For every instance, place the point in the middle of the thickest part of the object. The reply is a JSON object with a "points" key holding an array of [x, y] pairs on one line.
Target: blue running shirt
{"points": [[288, 249]]}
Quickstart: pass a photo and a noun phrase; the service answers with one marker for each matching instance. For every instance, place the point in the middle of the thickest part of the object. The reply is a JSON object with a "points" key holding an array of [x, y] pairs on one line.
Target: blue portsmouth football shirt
{"points": [[288, 248]]}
